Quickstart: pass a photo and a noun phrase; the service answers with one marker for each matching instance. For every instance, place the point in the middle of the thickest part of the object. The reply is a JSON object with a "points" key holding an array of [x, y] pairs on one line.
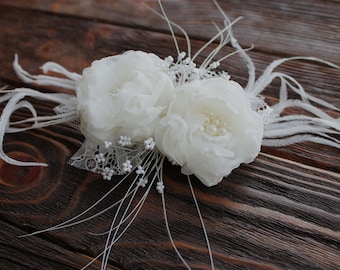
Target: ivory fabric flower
{"points": [[123, 95], [210, 129]]}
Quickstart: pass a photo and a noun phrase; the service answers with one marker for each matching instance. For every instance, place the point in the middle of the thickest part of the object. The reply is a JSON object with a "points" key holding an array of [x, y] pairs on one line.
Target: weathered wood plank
{"points": [[279, 27], [280, 212], [270, 214]]}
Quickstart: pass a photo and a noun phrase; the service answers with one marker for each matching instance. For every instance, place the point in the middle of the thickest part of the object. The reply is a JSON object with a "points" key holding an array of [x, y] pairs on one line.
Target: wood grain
{"points": [[293, 24], [280, 212]]}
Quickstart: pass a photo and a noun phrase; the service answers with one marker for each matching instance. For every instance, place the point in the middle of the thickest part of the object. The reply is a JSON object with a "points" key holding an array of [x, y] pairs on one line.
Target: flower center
{"points": [[214, 126]]}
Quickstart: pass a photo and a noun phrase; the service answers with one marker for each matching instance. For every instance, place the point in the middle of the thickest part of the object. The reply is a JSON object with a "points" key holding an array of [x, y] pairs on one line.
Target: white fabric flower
{"points": [[123, 95], [210, 129]]}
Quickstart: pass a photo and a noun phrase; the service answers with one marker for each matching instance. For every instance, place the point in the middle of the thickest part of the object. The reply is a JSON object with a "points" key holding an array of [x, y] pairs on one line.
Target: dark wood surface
{"points": [[280, 212]]}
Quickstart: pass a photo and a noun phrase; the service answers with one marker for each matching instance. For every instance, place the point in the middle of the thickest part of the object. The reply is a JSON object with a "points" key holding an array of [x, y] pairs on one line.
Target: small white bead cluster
{"points": [[107, 173], [149, 144], [124, 141], [142, 182], [127, 166], [160, 186], [100, 158], [140, 170], [107, 144], [185, 70]]}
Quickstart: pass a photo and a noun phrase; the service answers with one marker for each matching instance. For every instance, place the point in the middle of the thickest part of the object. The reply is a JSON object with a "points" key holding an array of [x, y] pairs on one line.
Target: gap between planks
{"points": [[301, 165]]}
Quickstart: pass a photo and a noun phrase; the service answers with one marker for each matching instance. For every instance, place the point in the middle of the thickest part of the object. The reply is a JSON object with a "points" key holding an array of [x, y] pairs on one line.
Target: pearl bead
{"points": [[211, 129], [215, 122], [214, 126], [222, 131], [223, 125]]}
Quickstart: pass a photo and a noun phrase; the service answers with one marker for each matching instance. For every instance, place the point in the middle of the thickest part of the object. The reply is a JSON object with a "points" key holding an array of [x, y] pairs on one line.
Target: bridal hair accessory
{"points": [[136, 110]]}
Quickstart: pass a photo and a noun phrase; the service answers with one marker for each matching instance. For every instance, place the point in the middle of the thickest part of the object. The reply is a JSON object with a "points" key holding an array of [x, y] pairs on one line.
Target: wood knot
{"points": [[19, 176]]}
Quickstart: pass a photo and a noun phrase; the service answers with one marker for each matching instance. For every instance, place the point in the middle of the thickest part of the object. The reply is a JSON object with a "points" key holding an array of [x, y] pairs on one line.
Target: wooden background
{"points": [[280, 212]]}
